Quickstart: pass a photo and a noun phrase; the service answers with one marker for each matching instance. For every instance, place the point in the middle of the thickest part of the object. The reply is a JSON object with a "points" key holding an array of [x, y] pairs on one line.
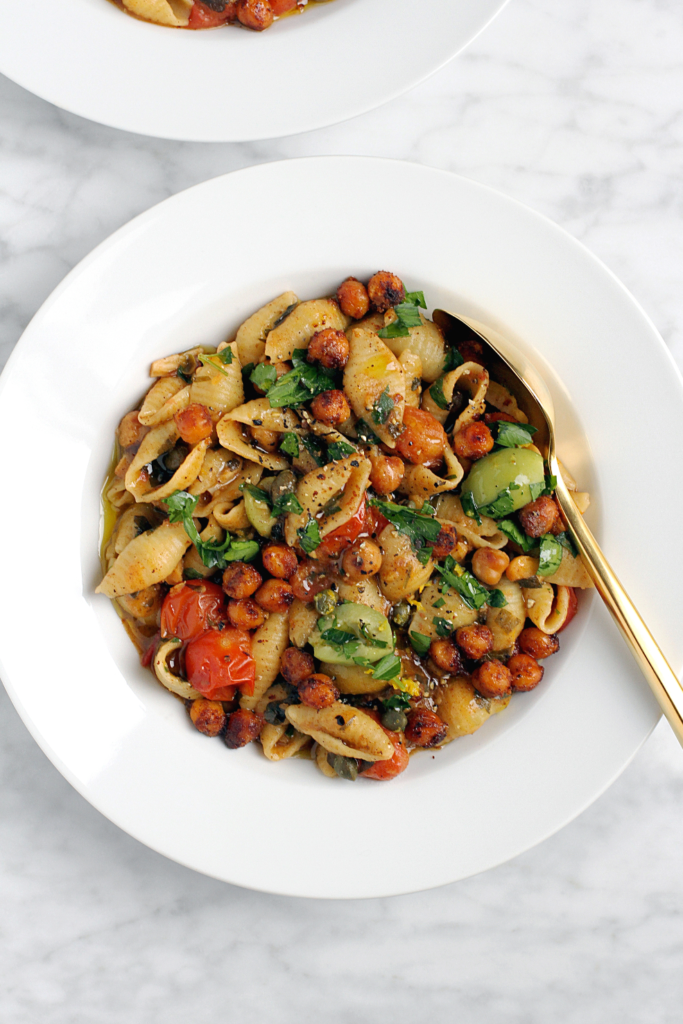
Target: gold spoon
{"points": [[512, 369]]}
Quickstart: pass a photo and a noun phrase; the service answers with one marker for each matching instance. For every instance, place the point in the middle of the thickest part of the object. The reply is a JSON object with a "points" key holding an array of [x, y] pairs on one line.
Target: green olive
{"points": [[494, 474], [370, 627], [284, 483], [345, 767], [325, 602], [395, 720]]}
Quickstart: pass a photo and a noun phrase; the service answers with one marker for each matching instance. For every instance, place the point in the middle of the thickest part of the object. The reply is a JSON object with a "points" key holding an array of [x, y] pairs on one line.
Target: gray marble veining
{"points": [[576, 111]]}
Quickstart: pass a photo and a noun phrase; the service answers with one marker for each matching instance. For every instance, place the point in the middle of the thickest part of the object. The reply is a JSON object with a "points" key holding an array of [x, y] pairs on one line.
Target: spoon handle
{"points": [[652, 663]]}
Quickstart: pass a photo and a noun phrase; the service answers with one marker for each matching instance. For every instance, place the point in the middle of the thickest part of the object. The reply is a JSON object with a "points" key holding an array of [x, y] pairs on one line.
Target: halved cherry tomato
{"points": [[571, 611], [203, 17], [192, 607], [374, 521], [220, 661], [345, 534], [498, 417], [147, 658], [385, 770], [282, 6]]}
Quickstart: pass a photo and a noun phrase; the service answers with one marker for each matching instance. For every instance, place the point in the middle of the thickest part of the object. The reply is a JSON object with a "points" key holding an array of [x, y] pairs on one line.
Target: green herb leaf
{"points": [[566, 541], [469, 507], [238, 551], [192, 574], [338, 636], [301, 384], [514, 435], [420, 643], [382, 408], [309, 536], [225, 355], [440, 603], [443, 626], [408, 315], [496, 599], [246, 370], [213, 554], [502, 506], [283, 316], [387, 667], [287, 503], [453, 360], [315, 447], [264, 376], [256, 492], [340, 450], [211, 361], [423, 555], [436, 392], [473, 593], [397, 702], [420, 527], [290, 445], [537, 488], [365, 433], [186, 377], [416, 299], [550, 555], [512, 530]]}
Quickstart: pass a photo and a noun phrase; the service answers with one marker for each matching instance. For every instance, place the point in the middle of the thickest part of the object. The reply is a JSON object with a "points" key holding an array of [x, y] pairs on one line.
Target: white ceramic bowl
{"points": [[189, 271], [227, 85]]}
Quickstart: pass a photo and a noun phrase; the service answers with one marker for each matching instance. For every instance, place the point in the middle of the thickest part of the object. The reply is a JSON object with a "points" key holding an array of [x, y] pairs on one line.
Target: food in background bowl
{"points": [[334, 534], [197, 14]]}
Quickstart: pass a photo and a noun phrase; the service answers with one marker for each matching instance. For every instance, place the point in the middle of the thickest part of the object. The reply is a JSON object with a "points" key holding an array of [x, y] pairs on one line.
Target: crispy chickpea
{"points": [[472, 350], [521, 568], [296, 665], [330, 348], [492, 679], [488, 565], [538, 517], [282, 6], [538, 644], [274, 596], [425, 728], [331, 407], [241, 580], [131, 431], [279, 560], [243, 727], [361, 560], [473, 440], [310, 579], [318, 691], [446, 542], [194, 423], [245, 614], [475, 640], [255, 14], [266, 439], [526, 672], [423, 438], [353, 298], [445, 655], [207, 716], [385, 290], [386, 473]]}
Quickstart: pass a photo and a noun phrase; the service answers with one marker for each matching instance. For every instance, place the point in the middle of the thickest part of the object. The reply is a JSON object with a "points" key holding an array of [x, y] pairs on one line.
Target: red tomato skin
{"points": [[220, 661], [571, 611], [344, 535], [384, 771], [204, 17], [191, 608], [374, 521], [282, 6]]}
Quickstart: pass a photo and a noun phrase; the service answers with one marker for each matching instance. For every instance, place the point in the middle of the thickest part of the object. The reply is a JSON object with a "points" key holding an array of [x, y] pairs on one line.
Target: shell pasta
{"points": [[334, 535]]}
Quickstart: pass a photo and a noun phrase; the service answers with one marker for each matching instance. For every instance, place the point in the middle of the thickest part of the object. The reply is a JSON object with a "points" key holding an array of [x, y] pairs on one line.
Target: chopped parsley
{"points": [[302, 383], [214, 554], [309, 536], [387, 667], [382, 408], [186, 377], [420, 643], [315, 447], [550, 555], [473, 593], [567, 542], [397, 702], [365, 433], [290, 445], [264, 376], [224, 356], [437, 395], [453, 360], [440, 603], [469, 507], [256, 492], [340, 450], [512, 530], [287, 503], [283, 316], [407, 316], [443, 626], [420, 527], [514, 435]]}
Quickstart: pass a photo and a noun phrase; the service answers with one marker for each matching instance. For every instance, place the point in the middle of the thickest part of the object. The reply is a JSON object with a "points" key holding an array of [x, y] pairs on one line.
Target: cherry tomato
{"points": [[345, 534], [571, 611], [382, 771], [374, 521], [192, 607], [498, 417], [204, 17], [220, 661]]}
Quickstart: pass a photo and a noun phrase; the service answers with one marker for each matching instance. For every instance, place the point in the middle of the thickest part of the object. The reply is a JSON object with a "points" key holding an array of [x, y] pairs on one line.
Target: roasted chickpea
{"points": [[386, 473], [526, 672], [279, 560], [207, 716], [296, 665], [142, 604], [255, 14], [446, 542], [423, 438], [425, 728], [445, 655], [310, 579], [492, 679], [385, 290], [131, 431], [331, 407], [538, 644], [473, 440], [194, 423], [475, 640], [539, 517], [281, 7], [243, 727], [245, 614], [522, 568], [488, 565], [472, 350], [330, 348], [361, 560], [274, 596], [353, 298], [241, 580], [318, 691], [266, 439]]}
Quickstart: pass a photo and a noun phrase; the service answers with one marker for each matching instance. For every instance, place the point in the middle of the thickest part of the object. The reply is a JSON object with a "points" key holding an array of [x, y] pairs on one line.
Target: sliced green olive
{"points": [[259, 514], [368, 625], [494, 474]]}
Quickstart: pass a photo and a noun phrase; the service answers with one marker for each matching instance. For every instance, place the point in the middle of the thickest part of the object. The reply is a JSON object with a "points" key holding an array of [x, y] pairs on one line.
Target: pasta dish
{"points": [[196, 14], [333, 534]]}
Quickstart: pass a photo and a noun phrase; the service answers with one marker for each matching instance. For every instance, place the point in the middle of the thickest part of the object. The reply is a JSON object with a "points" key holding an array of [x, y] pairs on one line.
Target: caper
{"points": [[345, 767], [400, 613], [395, 720], [325, 602], [274, 713], [284, 483]]}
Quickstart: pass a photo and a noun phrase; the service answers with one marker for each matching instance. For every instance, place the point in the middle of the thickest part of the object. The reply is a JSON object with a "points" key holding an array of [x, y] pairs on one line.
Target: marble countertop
{"points": [[574, 110]]}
